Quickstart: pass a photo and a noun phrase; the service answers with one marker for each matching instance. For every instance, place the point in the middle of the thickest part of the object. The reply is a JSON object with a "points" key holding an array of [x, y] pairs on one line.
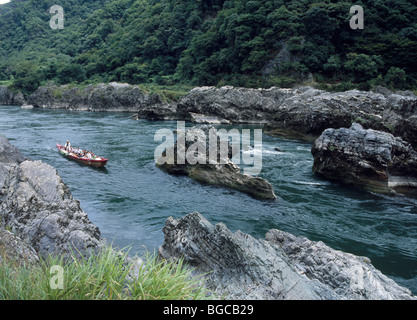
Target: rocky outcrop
{"points": [[304, 112], [9, 97], [371, 159], [195, 144], [282, 266], [13, 248], [37, 207], [115, 97]]}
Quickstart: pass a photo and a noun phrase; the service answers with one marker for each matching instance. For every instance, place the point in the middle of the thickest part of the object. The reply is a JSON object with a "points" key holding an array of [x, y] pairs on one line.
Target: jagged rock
{"points": [[301, 112], [350, 276], [12, 248], [305, 112], [237, 266], [221, 172], [38, 207], [371, 159], [9, 97], [9, 154], [116, 97]]}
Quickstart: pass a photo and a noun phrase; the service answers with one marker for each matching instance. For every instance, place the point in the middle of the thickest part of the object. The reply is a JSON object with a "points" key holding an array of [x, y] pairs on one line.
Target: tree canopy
{"points": [[210, 42]]}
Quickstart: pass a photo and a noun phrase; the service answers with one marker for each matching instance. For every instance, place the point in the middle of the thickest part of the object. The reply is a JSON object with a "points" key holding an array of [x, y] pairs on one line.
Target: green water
{"points": [[131, 199]]}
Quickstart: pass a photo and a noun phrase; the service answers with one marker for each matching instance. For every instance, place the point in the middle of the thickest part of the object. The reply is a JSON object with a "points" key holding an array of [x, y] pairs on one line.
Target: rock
{"points": [[237, 266], [115, 97], [12, 248], [38, 207], [221, 172], [157, 111], [348, 275], [301, 113], [9, 154], [371, 159], [304, 112], [9, 97]]}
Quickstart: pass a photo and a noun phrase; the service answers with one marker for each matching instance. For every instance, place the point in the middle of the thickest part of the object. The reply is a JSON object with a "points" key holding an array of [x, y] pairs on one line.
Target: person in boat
{"points": [[68, 146]]}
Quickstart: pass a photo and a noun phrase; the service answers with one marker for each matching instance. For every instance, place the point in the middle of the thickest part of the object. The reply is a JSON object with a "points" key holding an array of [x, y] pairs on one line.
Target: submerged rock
{"points": [[282, 266], [371, 159], [196, 144], [39, 209]]}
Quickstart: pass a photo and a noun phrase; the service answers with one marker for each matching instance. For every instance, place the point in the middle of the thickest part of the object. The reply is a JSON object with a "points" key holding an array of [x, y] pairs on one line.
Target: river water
{"points": [[130, 200]]}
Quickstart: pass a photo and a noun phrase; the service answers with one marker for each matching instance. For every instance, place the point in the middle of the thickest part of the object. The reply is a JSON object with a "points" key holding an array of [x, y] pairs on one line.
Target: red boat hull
{"points": [[101, 162]]}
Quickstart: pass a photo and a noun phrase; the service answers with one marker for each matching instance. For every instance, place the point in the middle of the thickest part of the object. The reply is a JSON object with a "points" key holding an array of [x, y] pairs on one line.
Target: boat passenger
{"points": [[68, 146]]}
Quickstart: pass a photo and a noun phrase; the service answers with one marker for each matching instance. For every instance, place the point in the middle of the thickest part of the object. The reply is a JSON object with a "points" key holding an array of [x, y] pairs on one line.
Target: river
{"points": [[130, 199]]}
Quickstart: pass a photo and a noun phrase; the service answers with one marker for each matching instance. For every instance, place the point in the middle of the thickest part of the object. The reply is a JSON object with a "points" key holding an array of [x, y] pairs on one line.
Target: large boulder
{"points": [[38, 207], [282, 266], [371, 159], [222, 171]]}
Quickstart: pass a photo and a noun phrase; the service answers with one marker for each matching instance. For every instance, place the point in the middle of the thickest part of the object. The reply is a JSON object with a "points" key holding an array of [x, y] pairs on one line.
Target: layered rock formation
{"points": [[371, 159], [301, 112], [237, 266], [222, 171], [304, 112], [115, 97], [38, 208]]}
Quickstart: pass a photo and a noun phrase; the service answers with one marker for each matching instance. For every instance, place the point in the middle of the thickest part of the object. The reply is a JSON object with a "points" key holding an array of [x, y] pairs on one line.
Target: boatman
{"points": [[68, 146]]}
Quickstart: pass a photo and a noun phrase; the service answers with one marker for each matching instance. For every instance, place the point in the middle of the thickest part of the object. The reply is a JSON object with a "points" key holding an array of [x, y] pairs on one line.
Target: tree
{"points": [[396, 78], [362, 66], [27, 77]]}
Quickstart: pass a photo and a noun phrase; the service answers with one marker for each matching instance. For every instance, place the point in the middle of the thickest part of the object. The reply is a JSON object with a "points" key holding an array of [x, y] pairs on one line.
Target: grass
{"points": [[168, 93], [105, 276]]}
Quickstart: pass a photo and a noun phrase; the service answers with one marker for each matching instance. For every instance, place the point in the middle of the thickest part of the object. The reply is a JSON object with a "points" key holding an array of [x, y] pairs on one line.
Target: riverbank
{"points": [[299, 112]]}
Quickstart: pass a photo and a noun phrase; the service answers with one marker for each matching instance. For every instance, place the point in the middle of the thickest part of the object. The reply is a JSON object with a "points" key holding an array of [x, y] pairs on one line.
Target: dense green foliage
{"points": [[210, 42]]}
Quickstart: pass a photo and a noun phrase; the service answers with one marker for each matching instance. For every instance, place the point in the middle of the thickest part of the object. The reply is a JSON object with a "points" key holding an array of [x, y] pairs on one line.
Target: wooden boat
{"points": [[96, 162]]}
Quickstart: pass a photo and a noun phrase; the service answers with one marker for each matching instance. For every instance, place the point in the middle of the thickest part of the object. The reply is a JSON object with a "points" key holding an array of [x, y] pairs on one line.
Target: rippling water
{"points": [[130, 200]]}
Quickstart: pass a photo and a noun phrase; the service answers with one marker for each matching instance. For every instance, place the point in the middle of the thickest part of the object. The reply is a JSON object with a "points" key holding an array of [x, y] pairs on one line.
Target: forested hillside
{"points": [[256, 43]]}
